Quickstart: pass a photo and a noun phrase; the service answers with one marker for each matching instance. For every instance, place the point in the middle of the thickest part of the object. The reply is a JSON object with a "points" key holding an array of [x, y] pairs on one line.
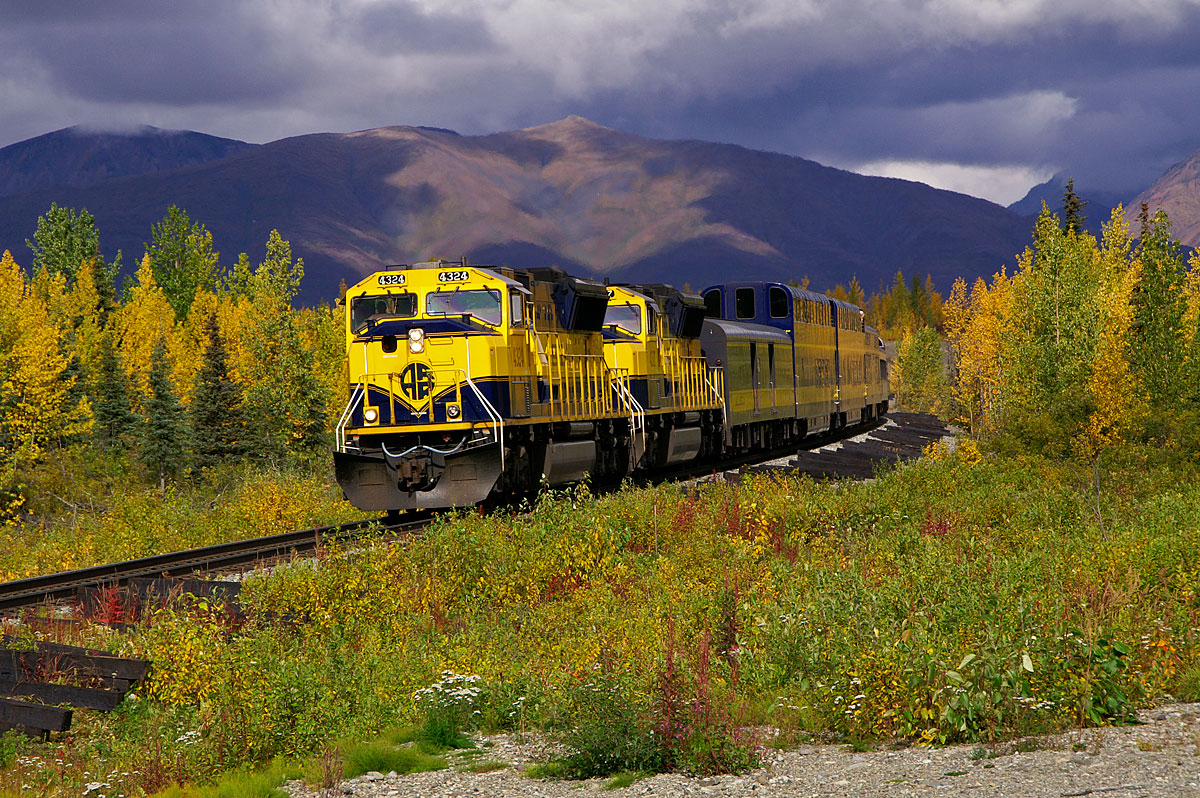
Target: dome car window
{"points": [[779, 302], [743, 300]]}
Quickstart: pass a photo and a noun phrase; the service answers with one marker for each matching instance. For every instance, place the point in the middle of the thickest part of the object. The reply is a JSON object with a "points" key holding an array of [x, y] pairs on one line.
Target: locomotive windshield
{"points": [[482, 304], [366, 309], [628, 317]]}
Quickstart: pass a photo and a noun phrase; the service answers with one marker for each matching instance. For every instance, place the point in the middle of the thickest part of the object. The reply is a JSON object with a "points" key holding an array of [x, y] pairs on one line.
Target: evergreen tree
{"points": [[164, 430], [114, 418], [1073, 209], [218, 423]]}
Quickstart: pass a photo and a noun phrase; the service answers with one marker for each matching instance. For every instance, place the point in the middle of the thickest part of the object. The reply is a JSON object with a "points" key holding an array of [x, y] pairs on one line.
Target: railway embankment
{"points": [[1160, 756]]}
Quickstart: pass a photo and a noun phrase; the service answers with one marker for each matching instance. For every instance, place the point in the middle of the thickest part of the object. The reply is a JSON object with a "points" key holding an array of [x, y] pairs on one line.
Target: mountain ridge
{"points": [[80, 156], [597, 201]]}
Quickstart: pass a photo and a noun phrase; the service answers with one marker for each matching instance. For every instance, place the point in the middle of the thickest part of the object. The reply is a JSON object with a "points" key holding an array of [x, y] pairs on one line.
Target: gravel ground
{"points": [[1161, 757]]}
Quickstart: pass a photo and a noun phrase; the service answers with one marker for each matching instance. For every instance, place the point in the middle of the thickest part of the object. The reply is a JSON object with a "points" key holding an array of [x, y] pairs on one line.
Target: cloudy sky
{"points": [[987, 97]]}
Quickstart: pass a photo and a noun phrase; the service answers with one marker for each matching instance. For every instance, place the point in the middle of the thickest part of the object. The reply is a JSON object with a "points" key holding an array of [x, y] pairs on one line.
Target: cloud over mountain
{"points": [[1105, 89]]}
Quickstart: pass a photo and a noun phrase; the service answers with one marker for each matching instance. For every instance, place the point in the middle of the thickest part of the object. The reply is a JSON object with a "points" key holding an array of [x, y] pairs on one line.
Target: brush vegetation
{"points": [[961, 598]]}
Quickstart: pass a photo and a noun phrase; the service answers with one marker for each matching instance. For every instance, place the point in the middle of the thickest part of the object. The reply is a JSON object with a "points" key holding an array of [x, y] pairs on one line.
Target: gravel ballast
{"points": [[1159, 757]]}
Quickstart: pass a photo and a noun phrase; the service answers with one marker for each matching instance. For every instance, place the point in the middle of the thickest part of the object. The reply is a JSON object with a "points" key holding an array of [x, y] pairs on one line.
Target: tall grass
{"points": [[959, 598]]}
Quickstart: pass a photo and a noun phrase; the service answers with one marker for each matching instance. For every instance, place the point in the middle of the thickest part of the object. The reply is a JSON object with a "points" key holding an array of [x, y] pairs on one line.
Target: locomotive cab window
{"points": [[712, 303], [779, 302], [627, 317], [743, 300], [369, 308], [516, 309], [481, 304]]}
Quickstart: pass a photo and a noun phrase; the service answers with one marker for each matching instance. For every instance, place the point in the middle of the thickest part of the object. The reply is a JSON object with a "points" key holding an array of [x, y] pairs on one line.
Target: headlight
{"points": [[370, 415], [452, 411], [416, 340]]}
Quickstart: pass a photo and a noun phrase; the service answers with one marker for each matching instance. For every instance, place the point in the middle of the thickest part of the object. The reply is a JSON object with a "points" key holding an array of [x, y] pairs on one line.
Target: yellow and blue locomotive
{"points": [[469, 382]]}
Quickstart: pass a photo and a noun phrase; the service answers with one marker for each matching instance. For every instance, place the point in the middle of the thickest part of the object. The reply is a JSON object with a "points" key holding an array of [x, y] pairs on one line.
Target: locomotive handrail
{"points": [[695, 380], [718, 374], [637, 414], [487, 406], [575, 382], [357, 395]]}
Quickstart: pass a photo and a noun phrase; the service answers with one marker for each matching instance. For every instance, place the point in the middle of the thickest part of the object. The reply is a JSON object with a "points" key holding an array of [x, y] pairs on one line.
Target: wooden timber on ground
{"points": [[36, 720], [37, 673]]}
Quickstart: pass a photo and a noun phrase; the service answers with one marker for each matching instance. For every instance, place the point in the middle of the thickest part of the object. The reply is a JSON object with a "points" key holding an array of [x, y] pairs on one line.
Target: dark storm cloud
{"points": [[1115, 105], [40, 13], [385, 28], [135, 52], [1096, 87]]}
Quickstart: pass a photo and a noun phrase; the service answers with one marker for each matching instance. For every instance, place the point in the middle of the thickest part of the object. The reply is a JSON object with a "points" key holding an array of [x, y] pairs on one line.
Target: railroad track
{"points": [[904, 438], [53, 587], [901, 439]]}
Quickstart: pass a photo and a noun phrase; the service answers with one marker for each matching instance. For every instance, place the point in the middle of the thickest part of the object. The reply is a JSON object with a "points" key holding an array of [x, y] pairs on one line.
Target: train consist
{"points": [[470, 383]]}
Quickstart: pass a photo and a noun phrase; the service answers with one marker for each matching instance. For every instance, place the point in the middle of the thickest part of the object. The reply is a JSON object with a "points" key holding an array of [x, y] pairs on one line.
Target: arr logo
{"points": [[416, 381]]}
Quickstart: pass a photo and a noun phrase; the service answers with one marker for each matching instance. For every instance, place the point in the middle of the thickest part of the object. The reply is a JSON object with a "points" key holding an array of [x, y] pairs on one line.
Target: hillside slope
{"points": [[1178, 193], [594, 200], [75, 156]]}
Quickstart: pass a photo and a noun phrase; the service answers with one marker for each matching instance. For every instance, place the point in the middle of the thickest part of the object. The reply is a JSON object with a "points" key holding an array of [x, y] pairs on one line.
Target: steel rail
{"points": [[49, 587]]}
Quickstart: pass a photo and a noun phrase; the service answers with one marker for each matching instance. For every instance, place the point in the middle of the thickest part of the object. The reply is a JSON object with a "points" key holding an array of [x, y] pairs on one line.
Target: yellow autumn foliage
{"points": [[139, 323], [975, 326], [1114, 387], [41, 406]]}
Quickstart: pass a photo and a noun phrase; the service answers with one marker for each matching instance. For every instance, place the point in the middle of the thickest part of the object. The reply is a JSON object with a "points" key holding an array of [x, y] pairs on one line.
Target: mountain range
{"points": [[596, 201]]}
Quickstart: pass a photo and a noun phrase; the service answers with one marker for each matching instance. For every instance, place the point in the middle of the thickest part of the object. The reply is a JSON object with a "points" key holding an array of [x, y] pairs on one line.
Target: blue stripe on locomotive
{"points": [[494, 390], [448, 326]]}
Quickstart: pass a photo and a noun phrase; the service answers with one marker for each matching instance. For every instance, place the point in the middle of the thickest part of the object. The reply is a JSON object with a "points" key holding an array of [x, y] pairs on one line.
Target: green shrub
{"points": [[1189, 684], [360, 758], [609, 733]]}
